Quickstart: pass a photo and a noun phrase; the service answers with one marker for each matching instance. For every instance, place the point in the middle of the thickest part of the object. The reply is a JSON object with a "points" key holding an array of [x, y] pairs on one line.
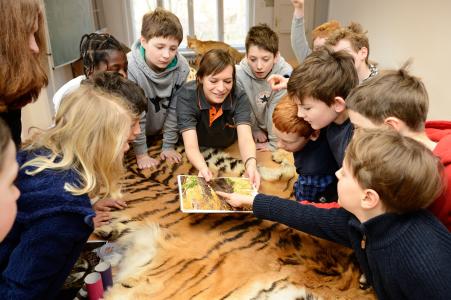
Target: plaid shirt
{"points": [[311, 187]]}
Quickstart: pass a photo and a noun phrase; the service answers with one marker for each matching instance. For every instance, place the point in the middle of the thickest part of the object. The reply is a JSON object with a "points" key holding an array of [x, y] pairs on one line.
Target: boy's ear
{"points": [[395, 123], [339, 104], [315, 135], [370, 200], [276, 57], [363, 52], [142, 40]]}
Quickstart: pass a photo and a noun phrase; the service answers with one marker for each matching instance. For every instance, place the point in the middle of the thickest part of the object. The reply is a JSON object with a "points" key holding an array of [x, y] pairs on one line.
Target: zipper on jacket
{"points": [[363, 242]]}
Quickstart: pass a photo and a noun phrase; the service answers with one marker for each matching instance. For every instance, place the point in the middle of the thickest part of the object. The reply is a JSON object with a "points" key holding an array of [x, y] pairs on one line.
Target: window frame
{"points": [[191, 28]]}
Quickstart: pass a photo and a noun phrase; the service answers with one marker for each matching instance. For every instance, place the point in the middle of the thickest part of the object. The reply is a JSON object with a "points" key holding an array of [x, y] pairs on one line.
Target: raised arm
{"points": [[299, 42]]}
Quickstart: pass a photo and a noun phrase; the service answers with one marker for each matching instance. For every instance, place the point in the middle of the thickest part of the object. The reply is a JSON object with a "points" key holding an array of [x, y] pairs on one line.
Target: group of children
{"points": [[389, 170], [394, 168]]}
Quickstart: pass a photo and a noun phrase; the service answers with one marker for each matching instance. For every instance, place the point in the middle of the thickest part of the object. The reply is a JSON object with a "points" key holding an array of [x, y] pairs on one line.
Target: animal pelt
{"points": [[286, 171], [202, 47], [171, 255]]}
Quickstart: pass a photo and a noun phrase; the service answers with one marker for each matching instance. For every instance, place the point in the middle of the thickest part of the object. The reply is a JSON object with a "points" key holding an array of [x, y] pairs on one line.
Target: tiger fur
{"points": [[171, 255]]}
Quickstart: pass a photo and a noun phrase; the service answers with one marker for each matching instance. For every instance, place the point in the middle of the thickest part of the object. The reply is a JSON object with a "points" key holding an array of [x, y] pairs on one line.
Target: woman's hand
{"points": [[252, 173], [206, 174], [237, 200]]}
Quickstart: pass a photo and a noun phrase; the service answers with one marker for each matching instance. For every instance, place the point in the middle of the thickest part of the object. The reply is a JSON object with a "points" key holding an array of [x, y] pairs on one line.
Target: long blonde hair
{"points": [[89, 136], [22, 72]]}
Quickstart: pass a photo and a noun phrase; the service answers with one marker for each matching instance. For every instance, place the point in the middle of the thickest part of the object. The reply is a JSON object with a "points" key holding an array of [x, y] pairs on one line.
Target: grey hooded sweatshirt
{"points": [[159, 89], [262, 99]]}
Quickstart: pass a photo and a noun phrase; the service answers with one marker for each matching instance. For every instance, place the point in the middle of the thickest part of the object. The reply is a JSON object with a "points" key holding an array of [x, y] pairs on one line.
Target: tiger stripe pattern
{"points": [[167, 254]]}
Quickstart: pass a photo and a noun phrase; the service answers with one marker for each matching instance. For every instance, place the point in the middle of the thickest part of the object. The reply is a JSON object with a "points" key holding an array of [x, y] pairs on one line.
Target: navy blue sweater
{"points": [[47, 237], [338, 137], [403, 256]]}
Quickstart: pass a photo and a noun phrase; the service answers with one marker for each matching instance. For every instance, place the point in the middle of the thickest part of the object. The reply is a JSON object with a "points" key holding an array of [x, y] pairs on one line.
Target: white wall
{"points": [[404, 29], [40, 113], [116, 20]]}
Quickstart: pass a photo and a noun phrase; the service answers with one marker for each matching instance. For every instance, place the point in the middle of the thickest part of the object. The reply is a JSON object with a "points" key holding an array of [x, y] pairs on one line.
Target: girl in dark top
{"points": [[62, 167], [213, 112]]}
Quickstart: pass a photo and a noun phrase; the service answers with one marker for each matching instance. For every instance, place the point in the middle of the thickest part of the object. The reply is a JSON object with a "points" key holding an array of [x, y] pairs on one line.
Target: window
{"points": [[220, 20]]}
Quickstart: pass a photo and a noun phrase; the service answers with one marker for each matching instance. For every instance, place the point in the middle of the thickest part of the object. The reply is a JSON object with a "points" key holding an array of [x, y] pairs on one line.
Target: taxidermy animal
{"points": [[201, 47]]}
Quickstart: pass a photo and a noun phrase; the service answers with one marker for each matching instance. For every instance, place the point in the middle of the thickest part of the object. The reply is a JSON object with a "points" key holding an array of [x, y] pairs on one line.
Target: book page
{"points": [[199, 196]]}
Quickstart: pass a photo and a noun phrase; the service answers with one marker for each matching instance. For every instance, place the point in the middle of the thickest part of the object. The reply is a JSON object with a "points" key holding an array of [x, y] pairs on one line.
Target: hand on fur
{"points": [[206, 173], [144, 161], [101, 218], [171, 155], [259, 136], [108, 204], [277, 82], [262, 146], [237, 200]]}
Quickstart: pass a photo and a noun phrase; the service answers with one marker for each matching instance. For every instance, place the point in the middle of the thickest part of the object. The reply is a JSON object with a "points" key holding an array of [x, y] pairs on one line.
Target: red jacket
{"points": [[440, 132]]}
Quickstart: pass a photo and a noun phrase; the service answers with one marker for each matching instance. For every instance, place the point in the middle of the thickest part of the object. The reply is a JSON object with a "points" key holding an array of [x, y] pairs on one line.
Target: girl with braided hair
{"points": [[99, 52]]}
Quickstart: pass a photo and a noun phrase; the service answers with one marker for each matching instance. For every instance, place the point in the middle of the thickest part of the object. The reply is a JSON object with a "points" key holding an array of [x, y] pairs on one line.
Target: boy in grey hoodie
{"points": [[262, 60], [156, 66]]}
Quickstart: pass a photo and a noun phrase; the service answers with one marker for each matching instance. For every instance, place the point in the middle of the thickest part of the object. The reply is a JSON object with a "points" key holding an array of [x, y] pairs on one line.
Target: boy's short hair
{"points": [[392, 93], [263, 37], [405, 174], [161, 23], [324, 30], [112, 82], [285, 119], [355, 34], [323, 75]]}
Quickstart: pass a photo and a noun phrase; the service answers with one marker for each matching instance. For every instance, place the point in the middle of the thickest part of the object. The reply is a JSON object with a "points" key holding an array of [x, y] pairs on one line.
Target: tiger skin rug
{"points": [[167, 254]]}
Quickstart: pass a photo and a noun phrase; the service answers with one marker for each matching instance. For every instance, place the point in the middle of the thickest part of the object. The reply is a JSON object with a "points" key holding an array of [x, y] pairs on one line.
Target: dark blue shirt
{"points": [[315, 158], [316, 167], [339, 137], [403, 256], [48, 234]]}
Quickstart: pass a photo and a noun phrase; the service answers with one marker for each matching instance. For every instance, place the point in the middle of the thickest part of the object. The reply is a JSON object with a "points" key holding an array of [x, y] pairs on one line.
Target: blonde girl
{"points": [[61, 167]]}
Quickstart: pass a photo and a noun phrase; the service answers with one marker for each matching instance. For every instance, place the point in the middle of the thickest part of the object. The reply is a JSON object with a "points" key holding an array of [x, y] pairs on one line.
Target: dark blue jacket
{"points": [[339, 137], [403, 256], [47, 237], [315, 158]]}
